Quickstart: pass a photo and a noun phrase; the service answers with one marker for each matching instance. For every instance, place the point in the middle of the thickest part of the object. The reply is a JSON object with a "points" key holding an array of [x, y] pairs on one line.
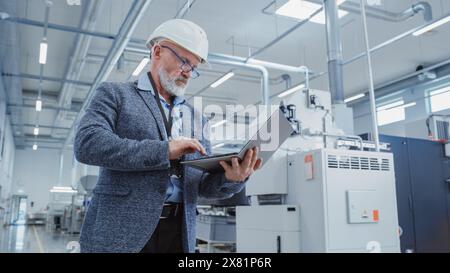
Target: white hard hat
{"points": [[184, 33]]}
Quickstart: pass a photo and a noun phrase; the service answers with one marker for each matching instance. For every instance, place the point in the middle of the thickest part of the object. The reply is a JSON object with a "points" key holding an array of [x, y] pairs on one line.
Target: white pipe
{"points": [[61, 165], [371, 85], [264, 73]]}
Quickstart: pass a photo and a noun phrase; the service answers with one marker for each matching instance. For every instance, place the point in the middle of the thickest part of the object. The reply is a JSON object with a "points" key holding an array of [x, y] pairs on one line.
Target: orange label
{"points": [[308, 158], [376, 215]]}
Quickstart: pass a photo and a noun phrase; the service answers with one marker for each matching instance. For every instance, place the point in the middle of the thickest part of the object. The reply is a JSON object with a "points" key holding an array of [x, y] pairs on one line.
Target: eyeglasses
{"points": [[185, 65]]}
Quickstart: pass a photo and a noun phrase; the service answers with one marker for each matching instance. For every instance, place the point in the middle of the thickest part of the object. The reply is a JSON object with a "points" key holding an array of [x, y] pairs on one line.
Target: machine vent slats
{"points": [[358, 163], [384, 164], [354, 162], [374, 164], [332, 162], [364, 163], [344, 162]]}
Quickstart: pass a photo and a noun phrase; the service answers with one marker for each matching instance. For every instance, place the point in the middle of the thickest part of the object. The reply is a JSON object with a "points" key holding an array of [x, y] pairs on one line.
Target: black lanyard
{"points": [[167, 123]]}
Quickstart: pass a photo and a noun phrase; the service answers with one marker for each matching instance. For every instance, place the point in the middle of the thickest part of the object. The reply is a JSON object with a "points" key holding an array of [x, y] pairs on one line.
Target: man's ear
{"points": [[156, 53]]}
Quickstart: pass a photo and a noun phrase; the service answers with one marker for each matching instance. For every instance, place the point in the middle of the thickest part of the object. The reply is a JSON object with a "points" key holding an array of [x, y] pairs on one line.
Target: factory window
{"points": [[440, 99], [390, 113]]}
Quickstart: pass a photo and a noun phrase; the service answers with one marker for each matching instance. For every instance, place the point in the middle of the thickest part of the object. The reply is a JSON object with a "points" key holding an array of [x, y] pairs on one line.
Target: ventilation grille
{"points": [[358, 163], [442, 130]]}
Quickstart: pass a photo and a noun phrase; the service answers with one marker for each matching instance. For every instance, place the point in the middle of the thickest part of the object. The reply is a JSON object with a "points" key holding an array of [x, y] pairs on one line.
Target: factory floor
{"points": [[35, 239]]}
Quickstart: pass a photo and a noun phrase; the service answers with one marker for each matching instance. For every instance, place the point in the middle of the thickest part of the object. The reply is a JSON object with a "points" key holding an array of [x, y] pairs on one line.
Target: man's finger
{"points": [[198, 146], [192, 147], [248, 159], [235, 163], [225, 166], [254, 158], [202, 149], [258, 164]]}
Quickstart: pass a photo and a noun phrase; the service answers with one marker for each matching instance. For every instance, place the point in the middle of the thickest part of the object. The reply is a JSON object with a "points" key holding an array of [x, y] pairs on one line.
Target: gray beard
{"points": [[169, 84]]}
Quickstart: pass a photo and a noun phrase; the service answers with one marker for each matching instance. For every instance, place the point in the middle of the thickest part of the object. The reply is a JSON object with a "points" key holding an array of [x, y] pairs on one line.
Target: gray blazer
{"points": [[123, 132]]}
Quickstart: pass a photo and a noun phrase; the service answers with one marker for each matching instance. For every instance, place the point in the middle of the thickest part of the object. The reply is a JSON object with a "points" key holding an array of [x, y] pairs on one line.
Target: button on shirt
{"points": [[174, 192]]}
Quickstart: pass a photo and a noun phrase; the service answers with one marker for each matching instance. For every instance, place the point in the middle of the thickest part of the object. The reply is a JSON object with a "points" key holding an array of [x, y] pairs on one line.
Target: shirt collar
{"points": [[145, 85]]}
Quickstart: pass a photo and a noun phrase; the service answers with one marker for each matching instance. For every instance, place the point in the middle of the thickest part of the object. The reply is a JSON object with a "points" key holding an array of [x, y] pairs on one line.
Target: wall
{"points": [[7, 153], [414, 123], [6, 165], [36, 172]]}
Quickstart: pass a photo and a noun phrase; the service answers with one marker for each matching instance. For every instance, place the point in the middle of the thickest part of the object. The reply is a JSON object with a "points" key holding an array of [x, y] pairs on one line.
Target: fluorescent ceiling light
{"points": [[395, 105], [219, 123], [35, 147], [219, 145], [222, 79], [390, 105], [301, 9], [440, 91], [38, 105], [36, 131], [408, 105], [432, 26], [63, 191], [355, 98], [291, 91], [62, 188], [141, 66], [43, 53]]}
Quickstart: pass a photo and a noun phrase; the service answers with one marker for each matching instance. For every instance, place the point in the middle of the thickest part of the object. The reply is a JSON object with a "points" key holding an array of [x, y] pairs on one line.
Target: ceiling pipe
{"points": [[422, 6], [53, 108], [381, 46], [252, 64], [76, 30], [275, 66], [284, 34], [373, 108], [334, 52], [390, 41], [137, 10], [96, 58], [49, 79], [265, 92], [377, 13], [185, 9]]}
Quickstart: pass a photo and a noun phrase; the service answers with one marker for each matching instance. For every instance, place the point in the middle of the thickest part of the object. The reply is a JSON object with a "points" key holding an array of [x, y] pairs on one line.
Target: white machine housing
{"points": [[332, 200]]}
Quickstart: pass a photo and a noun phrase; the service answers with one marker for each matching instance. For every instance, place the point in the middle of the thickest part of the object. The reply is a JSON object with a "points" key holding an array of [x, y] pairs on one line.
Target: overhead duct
{"points": [[334, 52], [137, 10], [422, 6], [265, 92]]}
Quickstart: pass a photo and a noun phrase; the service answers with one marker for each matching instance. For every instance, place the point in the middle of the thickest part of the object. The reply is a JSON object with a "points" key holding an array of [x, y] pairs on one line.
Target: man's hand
{"points": [[239, 172], [180, 147]]}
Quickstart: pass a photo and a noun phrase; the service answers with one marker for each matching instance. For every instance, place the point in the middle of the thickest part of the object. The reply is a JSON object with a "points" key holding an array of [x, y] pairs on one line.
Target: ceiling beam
{"points": [[49, 79]]}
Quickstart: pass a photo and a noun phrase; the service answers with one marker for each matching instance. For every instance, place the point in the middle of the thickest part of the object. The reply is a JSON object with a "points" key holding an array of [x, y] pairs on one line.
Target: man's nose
{"points": [[186, 75]]}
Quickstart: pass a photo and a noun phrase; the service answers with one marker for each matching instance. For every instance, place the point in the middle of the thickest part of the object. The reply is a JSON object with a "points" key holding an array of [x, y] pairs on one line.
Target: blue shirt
{"points": [[174, 192]]}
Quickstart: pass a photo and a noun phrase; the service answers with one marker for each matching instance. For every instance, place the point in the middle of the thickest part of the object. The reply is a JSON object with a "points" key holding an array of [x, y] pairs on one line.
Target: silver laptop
{"points": [[263, 140]]}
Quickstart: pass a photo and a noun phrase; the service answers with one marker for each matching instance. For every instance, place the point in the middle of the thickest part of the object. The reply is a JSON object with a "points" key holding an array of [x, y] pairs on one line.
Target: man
{"points": [[145, 201]]}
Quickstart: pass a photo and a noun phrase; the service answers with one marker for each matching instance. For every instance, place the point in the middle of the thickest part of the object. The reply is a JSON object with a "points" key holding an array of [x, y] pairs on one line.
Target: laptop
{"points": [[261, 140]]}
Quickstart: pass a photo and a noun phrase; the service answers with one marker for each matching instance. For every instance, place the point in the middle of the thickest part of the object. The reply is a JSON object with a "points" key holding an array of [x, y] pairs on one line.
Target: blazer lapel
{"points": [[149, 100]]}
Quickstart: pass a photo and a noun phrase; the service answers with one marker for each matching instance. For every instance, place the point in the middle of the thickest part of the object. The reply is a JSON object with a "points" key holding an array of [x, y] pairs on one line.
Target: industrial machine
{"points": [[322, 191], [73, 214], [422, 175]]}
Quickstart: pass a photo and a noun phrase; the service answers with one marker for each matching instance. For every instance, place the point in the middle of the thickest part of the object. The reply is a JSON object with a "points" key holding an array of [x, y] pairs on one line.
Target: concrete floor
{"points": [[36, 239]]}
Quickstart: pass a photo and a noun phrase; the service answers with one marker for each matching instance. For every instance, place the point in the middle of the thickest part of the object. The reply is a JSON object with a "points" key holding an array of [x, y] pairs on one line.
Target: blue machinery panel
{"points": [[423, 195]]}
